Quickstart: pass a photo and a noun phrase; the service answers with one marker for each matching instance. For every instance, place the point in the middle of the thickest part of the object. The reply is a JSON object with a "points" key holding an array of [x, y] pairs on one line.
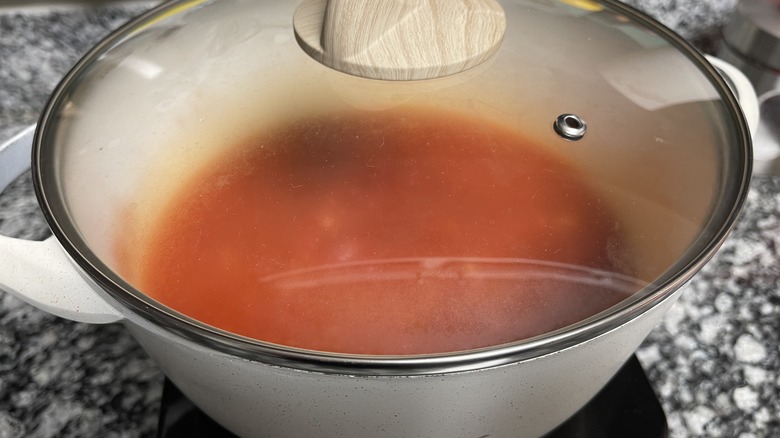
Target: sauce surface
{"points": [[396, 232]]}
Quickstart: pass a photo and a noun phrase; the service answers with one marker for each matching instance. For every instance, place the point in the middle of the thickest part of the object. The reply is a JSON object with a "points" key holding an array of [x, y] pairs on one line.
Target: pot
{"points": [[167, 92]]}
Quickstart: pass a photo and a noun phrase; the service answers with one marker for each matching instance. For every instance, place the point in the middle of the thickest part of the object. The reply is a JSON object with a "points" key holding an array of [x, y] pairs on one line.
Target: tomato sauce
{"points": [[395, 232]]}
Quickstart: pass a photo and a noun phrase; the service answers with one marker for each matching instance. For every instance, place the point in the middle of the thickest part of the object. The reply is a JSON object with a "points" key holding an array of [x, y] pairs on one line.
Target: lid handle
{"points": [[400, 39]]}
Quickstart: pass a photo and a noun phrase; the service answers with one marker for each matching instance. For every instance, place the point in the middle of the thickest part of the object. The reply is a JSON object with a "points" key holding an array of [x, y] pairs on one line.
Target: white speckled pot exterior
{"points": [[524, 399]]}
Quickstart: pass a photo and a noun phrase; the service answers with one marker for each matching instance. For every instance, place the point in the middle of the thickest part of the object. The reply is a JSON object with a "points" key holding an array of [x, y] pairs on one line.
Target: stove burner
{"points": [[627, 406]]}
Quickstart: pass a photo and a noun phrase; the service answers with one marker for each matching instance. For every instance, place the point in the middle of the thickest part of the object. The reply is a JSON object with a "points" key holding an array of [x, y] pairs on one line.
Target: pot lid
{"points": [[597, 89]]}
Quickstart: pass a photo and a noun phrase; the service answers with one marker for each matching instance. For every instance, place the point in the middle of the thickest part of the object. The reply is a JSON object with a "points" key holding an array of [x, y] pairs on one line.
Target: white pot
{"points": [[163, 90]]}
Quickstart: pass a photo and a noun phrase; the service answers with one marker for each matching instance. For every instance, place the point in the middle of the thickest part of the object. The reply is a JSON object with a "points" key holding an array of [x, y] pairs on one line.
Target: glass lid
{"points": [[281, 179]]}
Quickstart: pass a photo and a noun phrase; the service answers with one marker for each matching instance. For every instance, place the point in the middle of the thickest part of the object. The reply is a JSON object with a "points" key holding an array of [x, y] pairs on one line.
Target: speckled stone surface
{"points": [[692, 19], [59, 378], [713, 361]]}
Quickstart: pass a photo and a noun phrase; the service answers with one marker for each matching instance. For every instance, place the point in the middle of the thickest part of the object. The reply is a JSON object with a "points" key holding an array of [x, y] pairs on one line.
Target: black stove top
{"points": [[627, 406]]}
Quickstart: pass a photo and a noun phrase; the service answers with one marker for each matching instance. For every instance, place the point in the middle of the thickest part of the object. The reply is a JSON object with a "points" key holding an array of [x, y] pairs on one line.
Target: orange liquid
{"points": [[418, 219]]}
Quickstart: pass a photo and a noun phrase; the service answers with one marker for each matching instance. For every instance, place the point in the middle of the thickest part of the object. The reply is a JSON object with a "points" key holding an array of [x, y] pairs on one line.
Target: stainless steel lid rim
{"points": [[276, 355]]}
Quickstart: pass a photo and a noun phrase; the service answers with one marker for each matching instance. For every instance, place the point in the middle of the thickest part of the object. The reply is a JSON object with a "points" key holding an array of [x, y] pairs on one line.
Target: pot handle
{"points": [[742, 88], [40, 273], [759, 116]]}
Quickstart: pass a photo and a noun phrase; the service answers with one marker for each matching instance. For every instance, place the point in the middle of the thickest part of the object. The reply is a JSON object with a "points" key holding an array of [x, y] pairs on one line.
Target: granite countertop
{"points": [[714, 361]]}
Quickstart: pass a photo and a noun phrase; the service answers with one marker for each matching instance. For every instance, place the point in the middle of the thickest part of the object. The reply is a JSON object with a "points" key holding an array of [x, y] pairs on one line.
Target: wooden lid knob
{"points": [[400, 39]]}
